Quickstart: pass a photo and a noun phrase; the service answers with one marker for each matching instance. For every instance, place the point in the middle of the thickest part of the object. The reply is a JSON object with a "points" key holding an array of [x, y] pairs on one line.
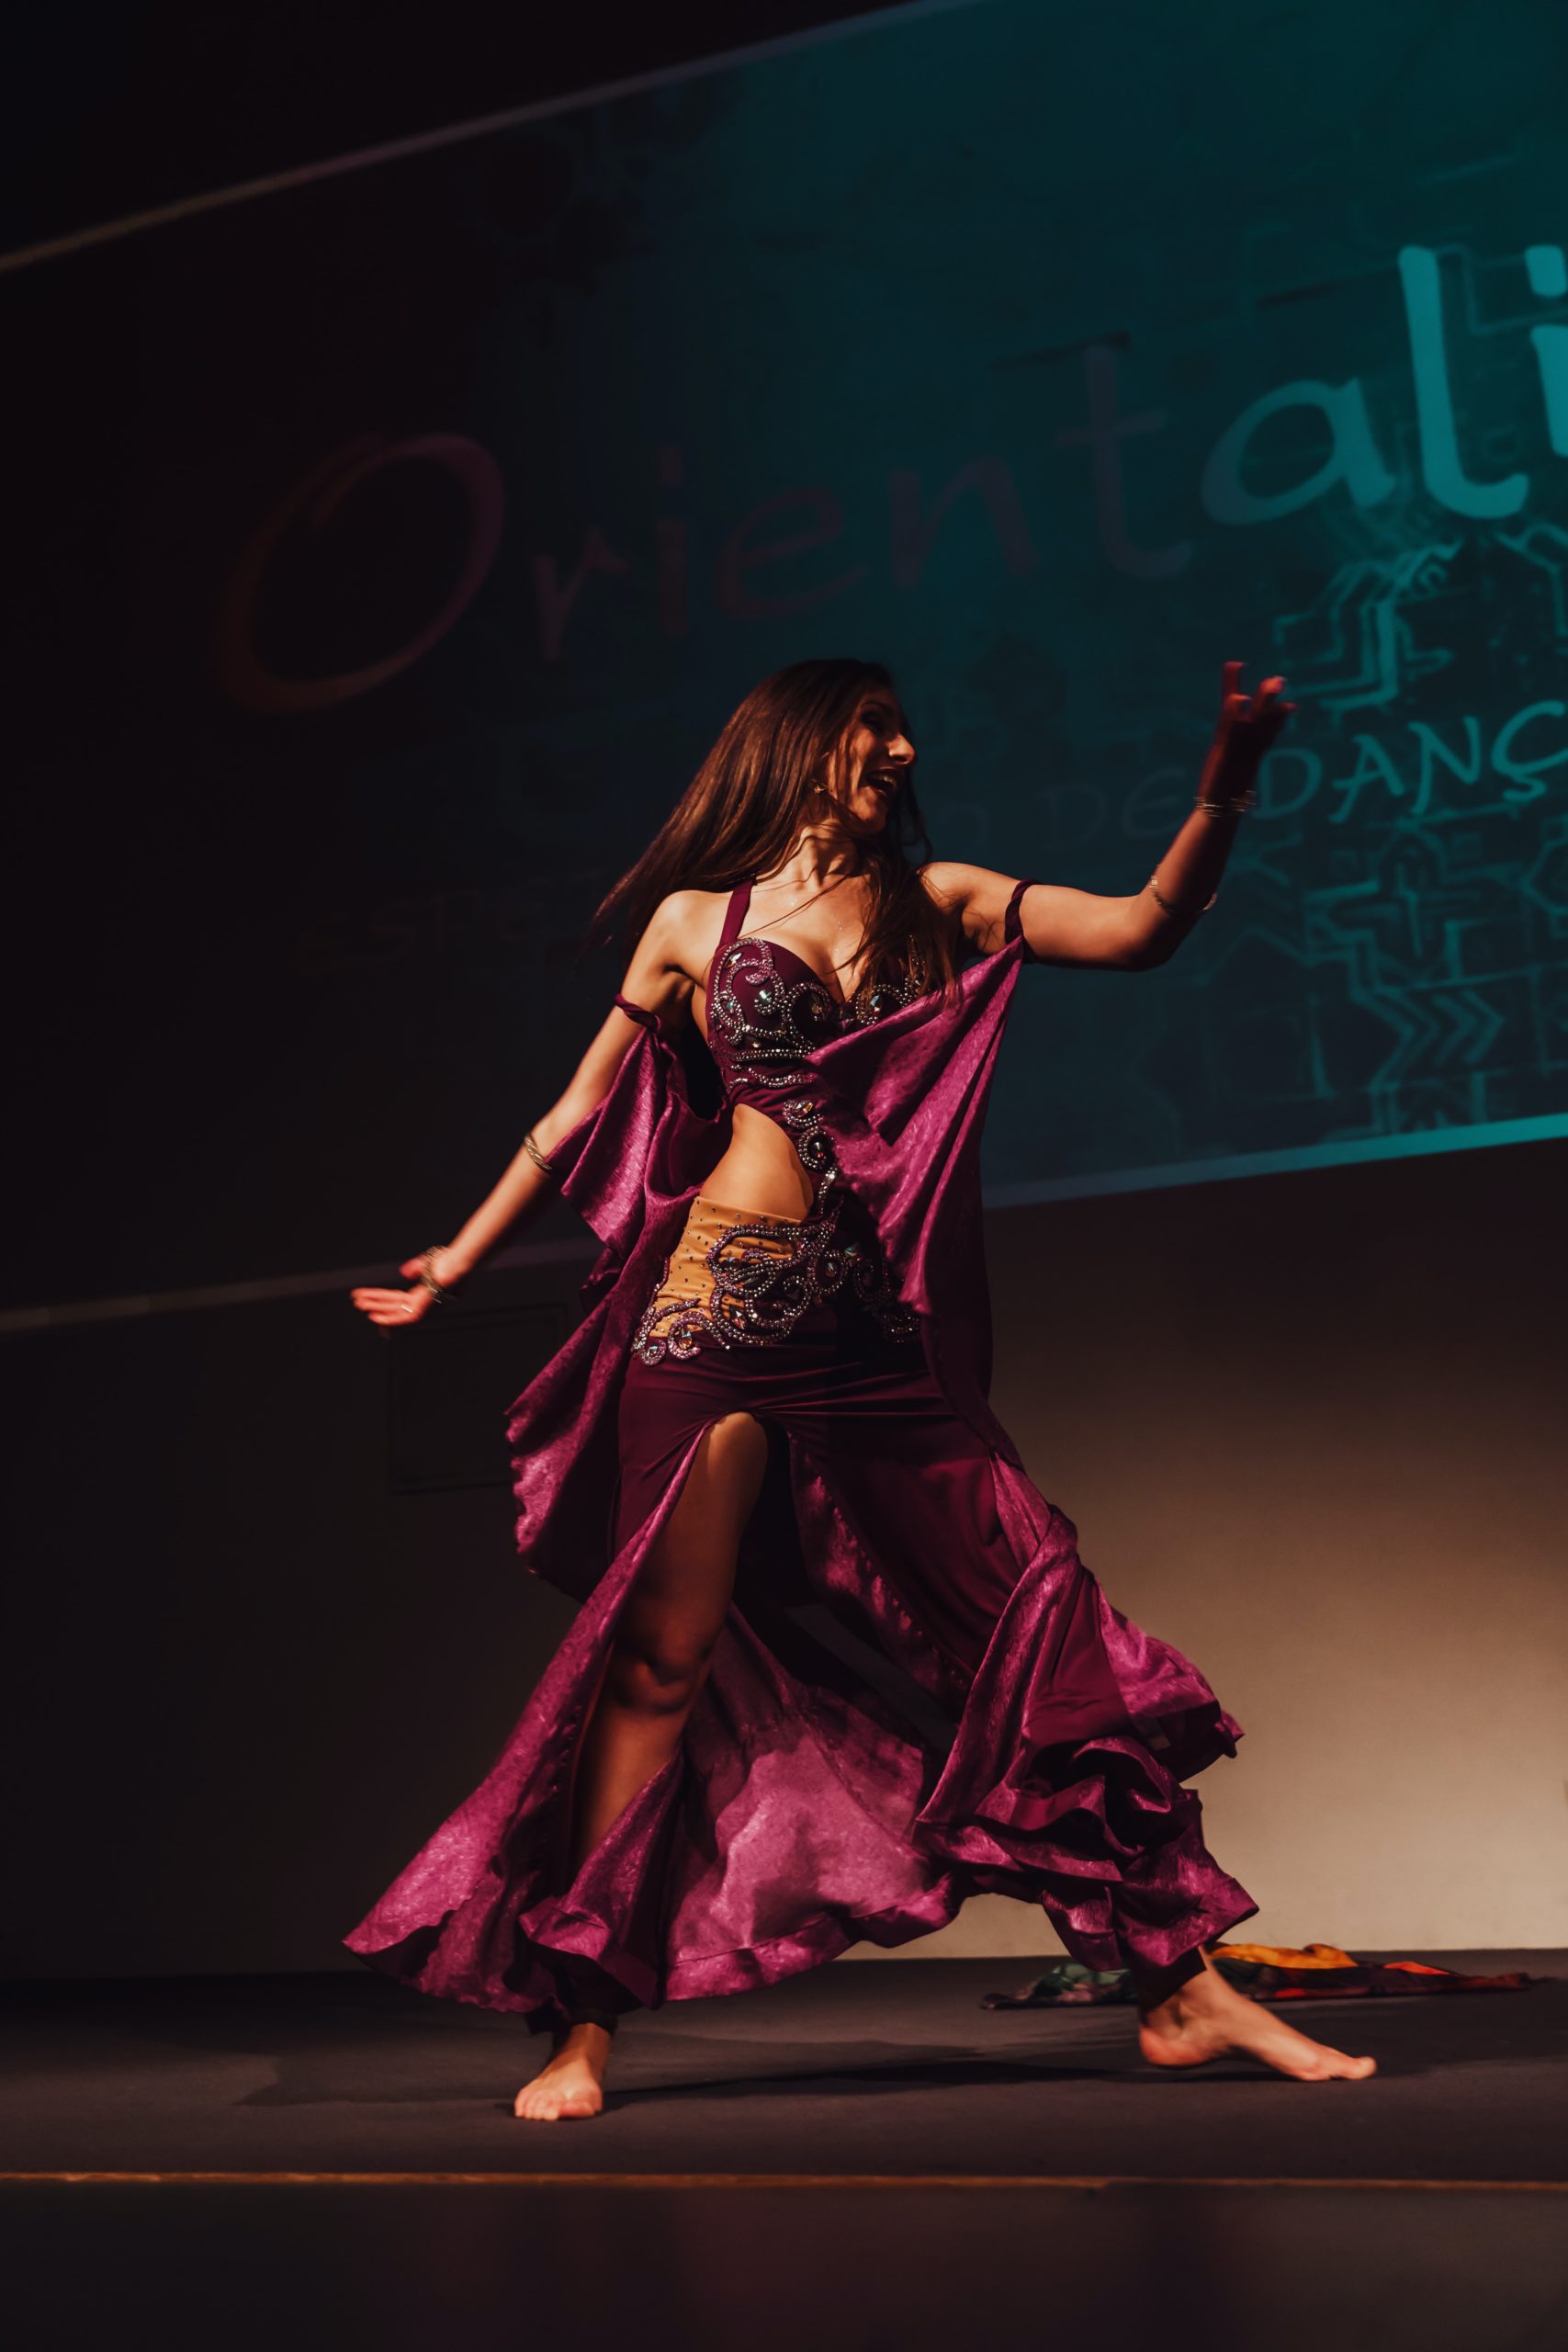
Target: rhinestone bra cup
{"points": [[762, 1027]]}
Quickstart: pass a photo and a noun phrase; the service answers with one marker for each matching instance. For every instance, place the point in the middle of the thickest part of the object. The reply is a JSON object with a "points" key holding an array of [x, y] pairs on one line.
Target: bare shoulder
{"points": [[975, 896], [672, 935], [950, 882]]}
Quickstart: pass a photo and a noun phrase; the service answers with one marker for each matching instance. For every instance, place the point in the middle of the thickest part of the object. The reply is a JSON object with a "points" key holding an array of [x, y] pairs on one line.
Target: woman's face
{"points": [[875, 758]]}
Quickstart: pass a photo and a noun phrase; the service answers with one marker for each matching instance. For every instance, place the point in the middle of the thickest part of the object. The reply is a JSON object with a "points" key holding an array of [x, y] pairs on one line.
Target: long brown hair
{"points": [[748, 803]]}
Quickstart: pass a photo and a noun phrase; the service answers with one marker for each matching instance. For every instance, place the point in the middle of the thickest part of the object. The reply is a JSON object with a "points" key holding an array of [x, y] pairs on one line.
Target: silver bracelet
{"points": [[438, 1291], [540, 1159], [1165, 902], [1237, 807]]}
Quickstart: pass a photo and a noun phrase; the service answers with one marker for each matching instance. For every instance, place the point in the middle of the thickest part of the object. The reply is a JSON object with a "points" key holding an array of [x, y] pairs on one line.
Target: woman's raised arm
{"points": [[657, 979], [1132, 934]]}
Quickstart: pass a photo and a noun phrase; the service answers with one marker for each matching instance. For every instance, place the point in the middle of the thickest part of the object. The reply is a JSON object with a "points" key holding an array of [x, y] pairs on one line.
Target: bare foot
{"points": [[1208, 2018], [570, 2084]]}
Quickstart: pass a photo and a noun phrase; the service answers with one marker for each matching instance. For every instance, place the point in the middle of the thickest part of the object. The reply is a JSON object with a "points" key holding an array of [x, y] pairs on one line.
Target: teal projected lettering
{"points": [[1054, 389]]}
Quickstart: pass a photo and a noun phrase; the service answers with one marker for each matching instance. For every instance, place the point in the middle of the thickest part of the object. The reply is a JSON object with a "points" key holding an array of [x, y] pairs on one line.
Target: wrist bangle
{"points": [[540, 1158], [438, 1291], [1165, 902], [1239, 806]]}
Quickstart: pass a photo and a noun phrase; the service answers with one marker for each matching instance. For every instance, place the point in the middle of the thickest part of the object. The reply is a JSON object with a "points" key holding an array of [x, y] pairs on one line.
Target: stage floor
{"points": [[862, 2158], [871, 2068]]}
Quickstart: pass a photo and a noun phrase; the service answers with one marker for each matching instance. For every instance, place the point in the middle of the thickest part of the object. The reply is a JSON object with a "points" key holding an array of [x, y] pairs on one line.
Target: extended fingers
{"points": [[385, 1305], [1271, 711], [1266, 704]]}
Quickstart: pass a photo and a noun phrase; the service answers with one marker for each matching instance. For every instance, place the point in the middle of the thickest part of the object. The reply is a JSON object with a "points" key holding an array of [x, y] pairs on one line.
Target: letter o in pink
{"points": [[241, 674]]}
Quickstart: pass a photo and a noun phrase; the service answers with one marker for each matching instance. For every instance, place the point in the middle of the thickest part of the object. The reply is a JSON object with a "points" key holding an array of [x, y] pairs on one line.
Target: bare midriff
{"points": [[760, 1171]]}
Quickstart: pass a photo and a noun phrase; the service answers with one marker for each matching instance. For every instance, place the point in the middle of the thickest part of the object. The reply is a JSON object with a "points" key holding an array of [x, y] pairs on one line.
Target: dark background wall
{"points": [[111, 111], [267, 1625]]}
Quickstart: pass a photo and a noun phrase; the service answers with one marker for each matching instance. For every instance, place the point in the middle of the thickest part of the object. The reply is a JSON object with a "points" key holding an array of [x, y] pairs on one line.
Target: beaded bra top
{"points": [[768, 1011]]}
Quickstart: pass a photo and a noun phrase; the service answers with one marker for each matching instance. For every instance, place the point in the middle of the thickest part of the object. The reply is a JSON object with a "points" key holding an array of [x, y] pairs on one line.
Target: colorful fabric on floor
{"points": [[1268, 1973]]}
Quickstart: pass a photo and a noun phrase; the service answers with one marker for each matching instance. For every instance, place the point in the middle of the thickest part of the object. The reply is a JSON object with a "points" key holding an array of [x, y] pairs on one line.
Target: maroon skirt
{"points": [[840, 1383], [920, 1692]]}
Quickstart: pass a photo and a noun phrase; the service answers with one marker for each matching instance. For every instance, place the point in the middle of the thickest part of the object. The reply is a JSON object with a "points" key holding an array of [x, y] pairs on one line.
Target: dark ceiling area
{"points": [[110, 110]]}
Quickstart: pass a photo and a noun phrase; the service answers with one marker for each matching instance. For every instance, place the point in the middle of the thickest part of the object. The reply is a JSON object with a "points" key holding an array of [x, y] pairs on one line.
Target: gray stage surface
{"points": [[872, 2068], [863, 2160]]}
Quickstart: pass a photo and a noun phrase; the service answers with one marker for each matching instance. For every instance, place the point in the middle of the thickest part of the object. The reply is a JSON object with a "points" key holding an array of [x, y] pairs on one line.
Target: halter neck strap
{"points": [[735, 913]]}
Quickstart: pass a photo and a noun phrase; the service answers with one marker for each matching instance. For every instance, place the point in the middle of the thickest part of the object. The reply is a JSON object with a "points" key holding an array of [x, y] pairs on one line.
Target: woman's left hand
{"points": [[1247, 727]]}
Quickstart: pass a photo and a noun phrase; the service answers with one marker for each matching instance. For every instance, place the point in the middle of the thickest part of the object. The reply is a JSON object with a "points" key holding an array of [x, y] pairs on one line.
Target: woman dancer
{"points": [[838, 1664]]}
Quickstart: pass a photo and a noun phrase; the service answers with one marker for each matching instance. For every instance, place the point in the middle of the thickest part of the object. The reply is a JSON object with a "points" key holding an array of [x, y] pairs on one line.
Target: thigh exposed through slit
{"points": [[683, 1587], [669, 1623]]}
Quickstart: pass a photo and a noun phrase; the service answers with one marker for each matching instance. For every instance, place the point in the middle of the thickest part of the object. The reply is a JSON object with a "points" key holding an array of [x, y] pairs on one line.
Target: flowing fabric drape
{"points": [[921, 1692]]}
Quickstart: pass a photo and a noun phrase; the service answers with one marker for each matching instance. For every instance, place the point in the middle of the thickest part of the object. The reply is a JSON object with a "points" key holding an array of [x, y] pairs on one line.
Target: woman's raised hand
{"points": [[1244, 736], [395, 1307]]}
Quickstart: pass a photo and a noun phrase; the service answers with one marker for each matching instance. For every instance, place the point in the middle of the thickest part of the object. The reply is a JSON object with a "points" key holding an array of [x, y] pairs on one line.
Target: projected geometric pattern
{"points": [[1057, 432]]}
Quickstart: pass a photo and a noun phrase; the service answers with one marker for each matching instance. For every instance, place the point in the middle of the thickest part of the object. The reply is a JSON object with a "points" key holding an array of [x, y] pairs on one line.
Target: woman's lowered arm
{"points": [[653, 979]]}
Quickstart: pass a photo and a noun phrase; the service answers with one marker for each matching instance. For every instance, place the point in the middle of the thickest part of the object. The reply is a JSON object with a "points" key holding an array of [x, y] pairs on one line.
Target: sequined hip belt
{"points": [[736, 1279]]}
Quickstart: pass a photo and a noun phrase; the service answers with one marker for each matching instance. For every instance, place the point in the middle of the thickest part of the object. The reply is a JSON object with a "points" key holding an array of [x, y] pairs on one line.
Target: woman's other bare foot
{"points": [[1208, 2018], [570, 2084]]}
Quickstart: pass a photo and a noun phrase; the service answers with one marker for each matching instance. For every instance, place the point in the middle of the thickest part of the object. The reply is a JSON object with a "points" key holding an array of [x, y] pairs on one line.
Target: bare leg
{"points": [[1189, 2023], [665, 1638]]}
